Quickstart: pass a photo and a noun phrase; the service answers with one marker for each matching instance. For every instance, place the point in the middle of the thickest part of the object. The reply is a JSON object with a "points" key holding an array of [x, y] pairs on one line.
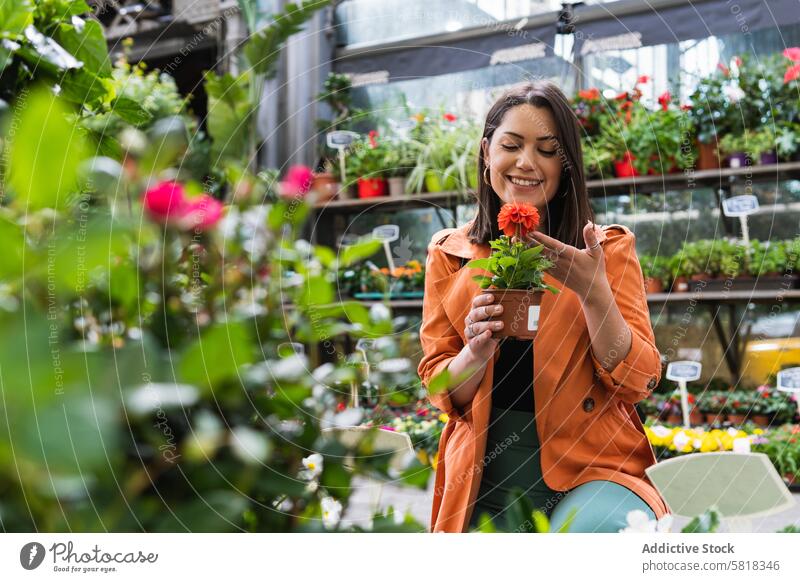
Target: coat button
{"points": [[652, 383], [588, 405]]}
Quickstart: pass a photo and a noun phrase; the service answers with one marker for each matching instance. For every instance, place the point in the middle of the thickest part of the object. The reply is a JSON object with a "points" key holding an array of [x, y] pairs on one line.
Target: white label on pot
{"points": [[533, 318]]}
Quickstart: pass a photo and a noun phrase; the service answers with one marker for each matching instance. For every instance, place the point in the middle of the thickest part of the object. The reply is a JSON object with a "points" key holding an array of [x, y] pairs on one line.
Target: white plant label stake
{"points": [[683, 372], [741, 206], [789, 381], [387, 233], [341, 140]]}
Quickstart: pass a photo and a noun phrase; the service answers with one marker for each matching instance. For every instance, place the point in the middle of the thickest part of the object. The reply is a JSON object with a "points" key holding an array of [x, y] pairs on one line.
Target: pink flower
{"points": [[792, 73], [450, 117], [373, 143], [725, 70], [643, 79], [165, 201], [793, 54], [387, 427], [297, 181], [737, 61], [201, 213]]}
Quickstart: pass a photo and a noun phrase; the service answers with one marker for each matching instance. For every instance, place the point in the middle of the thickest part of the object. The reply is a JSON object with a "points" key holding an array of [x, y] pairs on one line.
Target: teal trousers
{"points": [[512, 464]]}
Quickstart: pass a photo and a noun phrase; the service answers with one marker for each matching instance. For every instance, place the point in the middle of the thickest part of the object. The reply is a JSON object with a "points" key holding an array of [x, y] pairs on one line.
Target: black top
{"points": [[513, 375]]}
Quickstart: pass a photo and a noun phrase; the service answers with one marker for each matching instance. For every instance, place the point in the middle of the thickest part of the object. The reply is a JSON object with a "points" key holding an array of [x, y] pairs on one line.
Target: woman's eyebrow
{"points": [[541, 138]]}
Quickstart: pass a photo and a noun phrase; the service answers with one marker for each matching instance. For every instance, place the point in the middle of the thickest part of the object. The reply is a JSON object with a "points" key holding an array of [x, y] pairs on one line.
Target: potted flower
{"points": [[437, 157], [517, 271], [733, 147], [737, 407], [708, 114], [365, 166]]}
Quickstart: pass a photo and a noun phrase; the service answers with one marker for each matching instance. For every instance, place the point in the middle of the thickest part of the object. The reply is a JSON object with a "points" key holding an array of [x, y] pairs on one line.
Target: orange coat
{"points": [[585, 419]]}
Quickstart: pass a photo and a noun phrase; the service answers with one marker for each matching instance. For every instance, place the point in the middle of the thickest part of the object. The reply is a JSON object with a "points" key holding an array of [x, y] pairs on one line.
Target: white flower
{"points": [[680, 440], [639, 522], [733, 92], [348, 417], [741, 445], [661, 431], [331, 512], [313, 465], [733, 431]]}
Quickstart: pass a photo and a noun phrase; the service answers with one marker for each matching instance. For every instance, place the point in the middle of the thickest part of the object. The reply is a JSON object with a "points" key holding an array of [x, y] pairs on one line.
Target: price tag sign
{"points": [[684, 371], [740, 205], [789, 380], [339, 140], [387, 232]]}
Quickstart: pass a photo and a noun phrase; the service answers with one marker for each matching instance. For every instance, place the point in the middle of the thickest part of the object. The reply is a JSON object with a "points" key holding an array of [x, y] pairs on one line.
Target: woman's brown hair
{"points": [[569, 209]]}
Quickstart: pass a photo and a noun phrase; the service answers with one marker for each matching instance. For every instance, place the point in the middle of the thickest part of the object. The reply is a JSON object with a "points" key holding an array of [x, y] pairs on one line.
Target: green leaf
{"points": [[706, 522], [359, 251], [45, 154], [217, 511], [130, 111], [216, 356], [540, 522], [479, 264], [87, 44], [263, 47], [229, 117], [531, 253], [15, 16], [84, 88]]}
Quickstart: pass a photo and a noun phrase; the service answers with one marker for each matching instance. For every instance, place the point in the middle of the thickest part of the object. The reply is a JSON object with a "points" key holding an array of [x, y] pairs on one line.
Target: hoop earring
{"points": [[485, 179]]}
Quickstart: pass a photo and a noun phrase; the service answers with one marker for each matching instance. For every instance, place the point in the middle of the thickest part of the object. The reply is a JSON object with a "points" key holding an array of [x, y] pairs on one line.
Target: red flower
{"points": [[738, 61], [449, 117], [591, 94], [340, 406], [725, 70], [792, 73], [518, 218], [297, 181], [621, 96], [664, 100], [373, 143], [422, 412], [686, 107], [165, 202], [642, 79], [793, 54]]}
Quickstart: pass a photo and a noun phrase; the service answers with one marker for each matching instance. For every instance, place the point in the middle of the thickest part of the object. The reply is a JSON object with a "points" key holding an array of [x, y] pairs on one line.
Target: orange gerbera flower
{"points": [[518, 218]]}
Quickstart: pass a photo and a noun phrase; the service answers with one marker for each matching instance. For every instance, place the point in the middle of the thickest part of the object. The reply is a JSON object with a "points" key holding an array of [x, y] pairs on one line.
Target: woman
{"points": [[555, 416]]}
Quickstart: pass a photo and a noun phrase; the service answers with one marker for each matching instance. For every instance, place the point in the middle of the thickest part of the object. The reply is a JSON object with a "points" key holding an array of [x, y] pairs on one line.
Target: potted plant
{"points": [[708, 114], [787, 141], [399, 161], [655, 270], [762, 146], [326, 183], [517, 271], [465, 162], [677, 269], [737, 407], [366, 165], [437, 157], [733, 147]]}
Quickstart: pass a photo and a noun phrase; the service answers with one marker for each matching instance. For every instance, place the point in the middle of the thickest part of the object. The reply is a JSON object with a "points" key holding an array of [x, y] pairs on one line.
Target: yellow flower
{"points": [[758, 431], [422, 456], [443, 417], [435, 460]]}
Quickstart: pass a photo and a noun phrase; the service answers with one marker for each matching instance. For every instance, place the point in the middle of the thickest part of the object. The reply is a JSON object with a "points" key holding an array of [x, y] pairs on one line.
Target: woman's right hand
{"points": [[479, 328]]}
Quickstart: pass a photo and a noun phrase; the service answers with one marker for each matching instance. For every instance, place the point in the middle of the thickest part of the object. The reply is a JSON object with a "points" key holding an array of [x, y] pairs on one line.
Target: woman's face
{"points": [[524, 157]]}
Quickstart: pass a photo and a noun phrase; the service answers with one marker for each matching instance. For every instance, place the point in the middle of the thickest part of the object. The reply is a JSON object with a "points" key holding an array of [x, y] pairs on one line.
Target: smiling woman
{"points": [[592, 359]]}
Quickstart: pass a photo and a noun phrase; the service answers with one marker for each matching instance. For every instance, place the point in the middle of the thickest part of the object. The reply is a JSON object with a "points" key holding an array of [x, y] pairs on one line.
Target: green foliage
{"points": [[513, 265]]}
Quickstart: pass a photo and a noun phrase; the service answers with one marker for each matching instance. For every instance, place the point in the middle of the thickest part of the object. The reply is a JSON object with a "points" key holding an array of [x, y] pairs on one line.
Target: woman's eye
{"points": [[508, 147], [548, 153]]}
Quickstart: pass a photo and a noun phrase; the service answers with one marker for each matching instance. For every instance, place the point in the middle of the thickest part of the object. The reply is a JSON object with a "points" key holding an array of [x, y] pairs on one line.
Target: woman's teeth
{"points": [[528, 183]]}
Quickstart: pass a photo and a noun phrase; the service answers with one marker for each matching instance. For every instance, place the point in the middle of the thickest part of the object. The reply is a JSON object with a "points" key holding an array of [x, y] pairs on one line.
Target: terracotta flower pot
{"points": [[715, 417], [761, 419], [326, 185], [696, 417], [520, 315], [371, 187], [653, 285], [707, 156], [674, 419], [736, 418]]}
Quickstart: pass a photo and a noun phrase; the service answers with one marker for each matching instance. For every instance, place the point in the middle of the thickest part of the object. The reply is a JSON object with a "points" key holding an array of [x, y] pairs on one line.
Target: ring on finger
{"points": [[471, 331]]}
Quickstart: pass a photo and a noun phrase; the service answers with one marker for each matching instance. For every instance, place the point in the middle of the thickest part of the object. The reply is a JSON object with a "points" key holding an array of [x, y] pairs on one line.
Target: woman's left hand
{"points": [[582, 270]]}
